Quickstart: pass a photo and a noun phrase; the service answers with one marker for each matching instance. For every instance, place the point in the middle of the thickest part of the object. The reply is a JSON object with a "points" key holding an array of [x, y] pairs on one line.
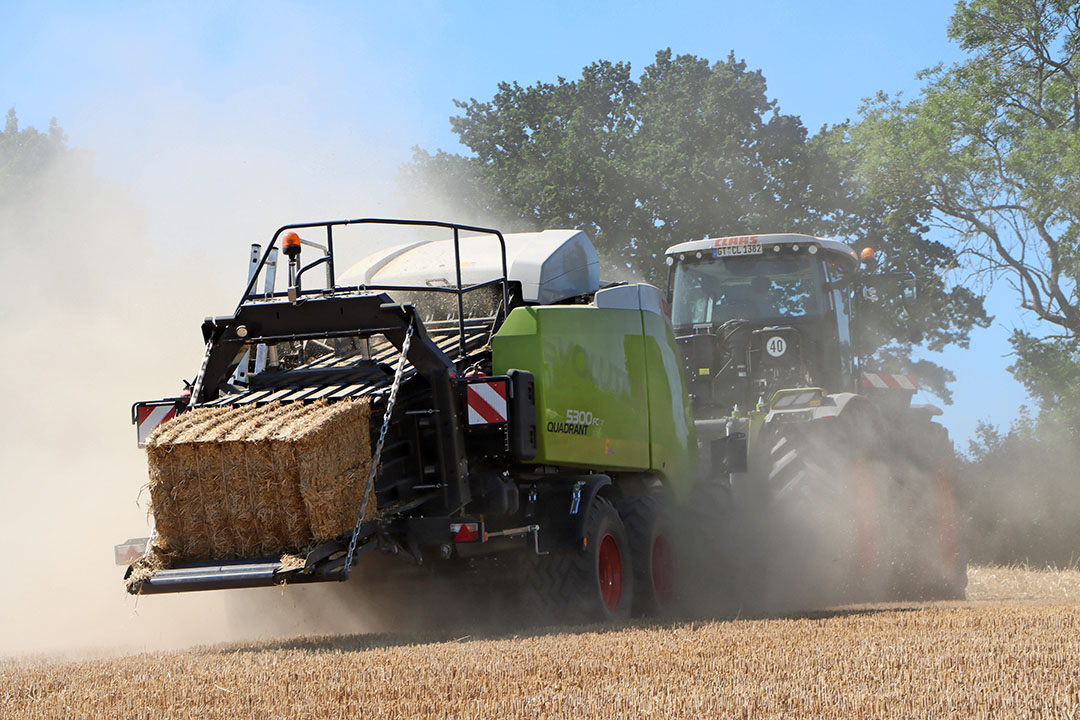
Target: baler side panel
{"points": [[591, 386], [673, 442]]}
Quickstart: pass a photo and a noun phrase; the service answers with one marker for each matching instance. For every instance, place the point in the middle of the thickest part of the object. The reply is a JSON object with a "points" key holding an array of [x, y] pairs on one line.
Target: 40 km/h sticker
{"points": [[776, 346]]}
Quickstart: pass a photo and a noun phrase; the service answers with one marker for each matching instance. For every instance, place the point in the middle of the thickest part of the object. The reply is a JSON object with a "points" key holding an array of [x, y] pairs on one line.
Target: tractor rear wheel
{"points": [[828, 525], [652, 553], [593, 583], [934, 566]]}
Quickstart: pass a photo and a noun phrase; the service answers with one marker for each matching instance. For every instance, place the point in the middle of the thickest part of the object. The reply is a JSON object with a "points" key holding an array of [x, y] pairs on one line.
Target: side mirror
{"points": [[909, 291]]}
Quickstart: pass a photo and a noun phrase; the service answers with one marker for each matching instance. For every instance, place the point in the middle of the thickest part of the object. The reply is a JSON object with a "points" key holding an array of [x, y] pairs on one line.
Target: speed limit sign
{"points": [[776, 346]]}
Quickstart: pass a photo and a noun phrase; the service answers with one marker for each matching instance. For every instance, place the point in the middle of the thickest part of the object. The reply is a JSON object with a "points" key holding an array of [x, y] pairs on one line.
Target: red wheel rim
{"points": [[663, 571], [866, 516], [609, 569]]}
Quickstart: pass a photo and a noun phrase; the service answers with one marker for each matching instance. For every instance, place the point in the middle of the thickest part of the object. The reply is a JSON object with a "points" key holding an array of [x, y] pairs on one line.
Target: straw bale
{"points": [[143, 568], [244, 481]]}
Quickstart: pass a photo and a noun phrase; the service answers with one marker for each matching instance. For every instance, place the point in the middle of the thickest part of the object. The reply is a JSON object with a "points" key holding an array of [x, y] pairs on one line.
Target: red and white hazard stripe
{"points": [[486, 401], [889, 381], [149, 417]]}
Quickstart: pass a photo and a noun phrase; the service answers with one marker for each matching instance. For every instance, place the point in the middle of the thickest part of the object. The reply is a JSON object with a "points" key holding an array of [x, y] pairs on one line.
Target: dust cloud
{"points": [[98, 316], [95, 318], [106, 284], [1021, 502], [852, 510]]}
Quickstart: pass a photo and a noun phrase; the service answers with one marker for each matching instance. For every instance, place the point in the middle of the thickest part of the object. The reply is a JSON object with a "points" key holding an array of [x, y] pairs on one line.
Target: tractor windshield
{"points": [[756, 288]]}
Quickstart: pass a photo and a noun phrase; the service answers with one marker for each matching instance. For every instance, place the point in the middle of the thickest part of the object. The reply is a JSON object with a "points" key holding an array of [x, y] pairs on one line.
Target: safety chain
{"points": [[196, 388], [377, 455]]}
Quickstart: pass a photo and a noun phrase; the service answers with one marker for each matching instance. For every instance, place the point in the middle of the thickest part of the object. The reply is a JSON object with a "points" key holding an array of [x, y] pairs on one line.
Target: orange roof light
{"points": [[867, 255], [291, 243]]}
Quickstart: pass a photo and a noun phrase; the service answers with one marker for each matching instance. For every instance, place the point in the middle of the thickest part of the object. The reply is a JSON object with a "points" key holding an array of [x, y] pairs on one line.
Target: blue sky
{"points": [[228, 119]]}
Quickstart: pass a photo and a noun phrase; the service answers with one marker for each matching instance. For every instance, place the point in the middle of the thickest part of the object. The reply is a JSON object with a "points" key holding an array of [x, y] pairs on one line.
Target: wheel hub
{"points": [[609, 570], [663, 571]]}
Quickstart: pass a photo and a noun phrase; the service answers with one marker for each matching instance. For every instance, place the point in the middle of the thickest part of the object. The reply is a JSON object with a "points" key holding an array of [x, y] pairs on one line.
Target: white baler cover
{"points": [[551, 265]]}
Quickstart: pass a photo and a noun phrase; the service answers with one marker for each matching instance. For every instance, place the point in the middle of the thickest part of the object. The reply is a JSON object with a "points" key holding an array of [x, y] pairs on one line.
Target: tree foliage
{"points": [[1021, 494], [25, 155], [686, 150], [990, 152]]}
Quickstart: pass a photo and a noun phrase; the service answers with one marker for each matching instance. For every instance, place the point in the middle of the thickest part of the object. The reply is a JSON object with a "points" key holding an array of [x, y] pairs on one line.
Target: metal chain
{"points": [[196, 388], [377, 455]]}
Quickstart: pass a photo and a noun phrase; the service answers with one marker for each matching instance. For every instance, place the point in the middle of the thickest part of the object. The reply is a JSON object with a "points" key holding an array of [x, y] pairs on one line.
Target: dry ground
{"points": [[1011, 651]]}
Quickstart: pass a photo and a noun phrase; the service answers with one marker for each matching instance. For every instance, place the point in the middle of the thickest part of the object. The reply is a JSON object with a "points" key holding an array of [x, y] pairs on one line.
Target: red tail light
{"points": [[465, 532]]}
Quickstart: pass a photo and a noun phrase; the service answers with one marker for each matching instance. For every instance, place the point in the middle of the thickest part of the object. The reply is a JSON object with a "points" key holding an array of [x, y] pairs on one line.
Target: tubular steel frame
{"points": [[331, 274]]}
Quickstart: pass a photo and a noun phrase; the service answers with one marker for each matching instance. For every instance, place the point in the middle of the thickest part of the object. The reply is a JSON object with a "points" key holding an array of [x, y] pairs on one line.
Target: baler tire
{"points": [[651, 552], [568, 586]]}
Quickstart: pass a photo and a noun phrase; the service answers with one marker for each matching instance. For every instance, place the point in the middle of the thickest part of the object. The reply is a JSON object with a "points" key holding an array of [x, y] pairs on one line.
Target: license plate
{"points": [[754, 249]]}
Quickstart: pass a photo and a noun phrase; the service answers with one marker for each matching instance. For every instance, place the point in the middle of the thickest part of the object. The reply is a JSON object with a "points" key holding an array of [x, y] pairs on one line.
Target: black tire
{"points": [[828, 525], [707, 562], [935, 564], [652, 553], [591, 584]]}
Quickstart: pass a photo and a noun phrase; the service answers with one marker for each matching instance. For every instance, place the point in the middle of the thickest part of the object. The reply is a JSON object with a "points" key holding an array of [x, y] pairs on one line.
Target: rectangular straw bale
{"points": [[330, 477], [245, 482]]}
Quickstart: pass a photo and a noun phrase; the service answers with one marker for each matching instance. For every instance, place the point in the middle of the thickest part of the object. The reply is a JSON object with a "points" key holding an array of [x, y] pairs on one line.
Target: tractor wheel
{"points": [[937, 565], [707, 550], [593, 583], [827, 528], [652, 553]]}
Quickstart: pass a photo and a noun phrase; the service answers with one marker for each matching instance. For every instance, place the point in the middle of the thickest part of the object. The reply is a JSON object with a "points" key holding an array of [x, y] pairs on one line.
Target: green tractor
{"points": [[834, 486]]}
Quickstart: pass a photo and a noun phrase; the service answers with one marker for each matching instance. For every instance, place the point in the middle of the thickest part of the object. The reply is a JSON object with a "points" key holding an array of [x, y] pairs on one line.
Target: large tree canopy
{"points": [[990, 152], [687, 150]]}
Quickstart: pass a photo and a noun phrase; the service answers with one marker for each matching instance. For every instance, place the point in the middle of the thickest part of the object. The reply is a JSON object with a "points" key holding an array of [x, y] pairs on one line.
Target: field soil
{"points": [[1012, 650]]}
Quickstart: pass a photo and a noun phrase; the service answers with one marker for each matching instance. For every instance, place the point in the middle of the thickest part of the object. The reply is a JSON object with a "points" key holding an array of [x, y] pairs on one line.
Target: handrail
{"points": [[328, 260]]}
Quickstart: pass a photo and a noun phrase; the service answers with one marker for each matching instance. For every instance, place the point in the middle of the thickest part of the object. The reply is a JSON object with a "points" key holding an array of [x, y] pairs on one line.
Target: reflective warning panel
{"points": [[890, 381], [486, 401], [148, 415]]}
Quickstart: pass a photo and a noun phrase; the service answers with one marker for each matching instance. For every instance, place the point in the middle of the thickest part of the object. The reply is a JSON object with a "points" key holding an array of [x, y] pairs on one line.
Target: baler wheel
{"points": [[652, 551], [594, 583]]}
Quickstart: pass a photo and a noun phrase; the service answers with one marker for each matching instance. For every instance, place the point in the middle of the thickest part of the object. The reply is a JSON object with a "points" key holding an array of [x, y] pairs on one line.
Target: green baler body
{"points": [[610, 394]]}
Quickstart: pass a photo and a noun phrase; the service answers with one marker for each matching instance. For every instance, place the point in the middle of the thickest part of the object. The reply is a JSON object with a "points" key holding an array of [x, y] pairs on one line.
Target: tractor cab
{"points": [[754, 314]]}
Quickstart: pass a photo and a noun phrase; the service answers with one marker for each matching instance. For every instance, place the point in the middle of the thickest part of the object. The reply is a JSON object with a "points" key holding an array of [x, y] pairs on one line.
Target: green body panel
{"points": [[673, 442], [609, 389]]}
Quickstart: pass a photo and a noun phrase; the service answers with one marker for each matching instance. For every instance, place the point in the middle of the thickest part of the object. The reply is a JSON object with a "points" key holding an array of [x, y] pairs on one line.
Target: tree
{"points": [[1021, 494], [687, 150], [990, 152], [26, 154]]}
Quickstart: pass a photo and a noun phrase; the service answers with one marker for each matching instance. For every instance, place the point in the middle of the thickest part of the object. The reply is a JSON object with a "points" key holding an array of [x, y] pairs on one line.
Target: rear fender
{"points": [[590, 490], [560, 510], [827, 407]]}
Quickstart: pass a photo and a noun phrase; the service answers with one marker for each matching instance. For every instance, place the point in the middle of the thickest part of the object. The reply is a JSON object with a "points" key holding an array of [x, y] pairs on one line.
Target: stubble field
{"points": [[1011, 651]]}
